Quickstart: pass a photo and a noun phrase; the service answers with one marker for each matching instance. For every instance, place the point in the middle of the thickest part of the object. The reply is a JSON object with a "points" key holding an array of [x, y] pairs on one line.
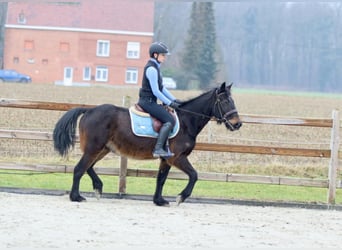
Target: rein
{"points": [[194, 113], [217, 104]]}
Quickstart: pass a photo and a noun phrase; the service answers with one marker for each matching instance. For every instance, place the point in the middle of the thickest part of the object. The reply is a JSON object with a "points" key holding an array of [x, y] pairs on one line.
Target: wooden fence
{"points": [[333, 153]]}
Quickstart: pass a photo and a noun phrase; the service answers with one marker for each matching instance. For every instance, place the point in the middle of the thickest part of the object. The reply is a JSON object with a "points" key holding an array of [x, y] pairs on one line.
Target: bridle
{"points": [[224, 116], [217, 106]]}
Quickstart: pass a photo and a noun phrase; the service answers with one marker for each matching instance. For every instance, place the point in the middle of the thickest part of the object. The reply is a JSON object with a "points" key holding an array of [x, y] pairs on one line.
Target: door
{"points": [[68, 74]]}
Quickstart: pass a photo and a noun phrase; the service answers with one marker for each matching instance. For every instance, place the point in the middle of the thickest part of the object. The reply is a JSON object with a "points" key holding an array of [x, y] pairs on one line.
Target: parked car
{"points": [[10, 75], [169, 83]]}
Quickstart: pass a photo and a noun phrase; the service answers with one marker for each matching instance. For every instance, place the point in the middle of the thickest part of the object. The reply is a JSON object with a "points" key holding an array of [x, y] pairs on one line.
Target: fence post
{"points": [[210, 140], [126, 102], [334, 147]]}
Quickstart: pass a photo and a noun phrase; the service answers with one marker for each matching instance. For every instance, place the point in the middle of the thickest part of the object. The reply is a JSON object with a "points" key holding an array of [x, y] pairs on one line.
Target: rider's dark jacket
{"points": [[145, 90]]}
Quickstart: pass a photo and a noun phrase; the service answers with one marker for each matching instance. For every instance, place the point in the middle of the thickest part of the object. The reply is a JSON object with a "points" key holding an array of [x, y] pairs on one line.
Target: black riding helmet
{"points": [[159, 48]]}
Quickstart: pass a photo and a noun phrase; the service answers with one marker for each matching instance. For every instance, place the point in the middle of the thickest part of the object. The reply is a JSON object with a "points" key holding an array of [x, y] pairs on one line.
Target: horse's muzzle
{"points": [[234, 123]]}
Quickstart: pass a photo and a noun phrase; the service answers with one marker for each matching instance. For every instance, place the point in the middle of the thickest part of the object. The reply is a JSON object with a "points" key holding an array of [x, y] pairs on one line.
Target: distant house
{"points": [[79, 42]]}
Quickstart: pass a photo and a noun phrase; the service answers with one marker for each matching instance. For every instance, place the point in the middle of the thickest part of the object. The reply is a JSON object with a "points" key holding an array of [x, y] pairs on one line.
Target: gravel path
{"points": [[43, 221]]}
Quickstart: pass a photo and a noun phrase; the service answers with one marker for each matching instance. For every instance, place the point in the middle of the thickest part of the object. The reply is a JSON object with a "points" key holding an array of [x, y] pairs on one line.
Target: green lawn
{"points": [[146, 186]]}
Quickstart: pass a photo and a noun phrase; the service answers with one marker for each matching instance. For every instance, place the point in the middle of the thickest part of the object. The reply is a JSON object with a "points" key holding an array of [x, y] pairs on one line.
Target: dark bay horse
{"points": [[107, 128]]}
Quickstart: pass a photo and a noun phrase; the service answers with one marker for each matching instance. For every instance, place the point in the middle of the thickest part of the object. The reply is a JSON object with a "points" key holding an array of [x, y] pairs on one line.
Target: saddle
{"points": [[143, 124], [156, 124]]}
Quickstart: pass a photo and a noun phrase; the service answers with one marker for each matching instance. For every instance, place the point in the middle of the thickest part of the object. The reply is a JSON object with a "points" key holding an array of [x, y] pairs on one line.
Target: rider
{"points": [[151, 90]]}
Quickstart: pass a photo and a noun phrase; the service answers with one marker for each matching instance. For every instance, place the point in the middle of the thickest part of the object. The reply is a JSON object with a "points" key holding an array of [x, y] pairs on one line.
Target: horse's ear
{"points": [[223, 87], [230, 85]]}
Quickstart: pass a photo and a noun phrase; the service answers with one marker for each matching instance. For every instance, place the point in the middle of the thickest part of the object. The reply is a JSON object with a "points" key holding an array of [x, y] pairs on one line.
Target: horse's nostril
{"points": [[238, 125]]}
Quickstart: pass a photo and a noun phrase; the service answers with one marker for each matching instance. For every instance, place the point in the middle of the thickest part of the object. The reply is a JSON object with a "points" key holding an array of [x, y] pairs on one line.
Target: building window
{"points": [[101, 74], [28, 45], [64, 47], [132, 75], [86, 73], [103, 48], [21, 18], [133, 50]]}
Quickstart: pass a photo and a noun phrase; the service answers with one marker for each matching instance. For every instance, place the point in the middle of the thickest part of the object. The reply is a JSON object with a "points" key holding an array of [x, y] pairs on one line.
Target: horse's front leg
{"points": [[97, 183], [184, 165], [163, 172]]}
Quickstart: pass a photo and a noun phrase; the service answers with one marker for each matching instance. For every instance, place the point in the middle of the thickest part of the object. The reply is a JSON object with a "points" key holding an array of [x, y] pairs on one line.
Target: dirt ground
{"points": [[45, 221]]}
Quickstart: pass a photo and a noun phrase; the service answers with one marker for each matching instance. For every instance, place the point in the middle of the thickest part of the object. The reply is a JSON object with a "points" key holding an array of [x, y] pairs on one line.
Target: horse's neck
{"points": [[202, 104], [200, 113]]}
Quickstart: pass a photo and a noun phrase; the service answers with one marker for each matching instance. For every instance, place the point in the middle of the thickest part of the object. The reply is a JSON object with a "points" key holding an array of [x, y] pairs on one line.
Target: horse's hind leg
{"points": [[184, 165], [163, 172], [97, 183], [86, 163], [79, 170]]}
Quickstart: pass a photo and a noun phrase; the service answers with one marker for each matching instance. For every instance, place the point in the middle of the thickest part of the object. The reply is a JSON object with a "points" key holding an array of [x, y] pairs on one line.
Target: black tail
{"points": [[64, 134]]}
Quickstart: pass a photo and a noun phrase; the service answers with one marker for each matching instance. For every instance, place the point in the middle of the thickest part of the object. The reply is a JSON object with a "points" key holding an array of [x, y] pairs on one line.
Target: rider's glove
{"points": [[179, 102], [174, 105]]}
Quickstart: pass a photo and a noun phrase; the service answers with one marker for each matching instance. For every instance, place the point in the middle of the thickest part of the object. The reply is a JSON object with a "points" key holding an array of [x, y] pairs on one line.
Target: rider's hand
{"points": [[174, 105], [178, 101]]}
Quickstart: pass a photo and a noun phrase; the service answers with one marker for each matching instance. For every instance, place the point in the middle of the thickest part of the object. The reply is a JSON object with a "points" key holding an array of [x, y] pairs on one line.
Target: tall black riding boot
{"points": [[161, 140]]}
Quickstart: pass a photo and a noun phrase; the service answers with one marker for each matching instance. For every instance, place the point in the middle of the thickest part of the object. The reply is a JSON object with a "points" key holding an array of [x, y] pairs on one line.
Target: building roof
{"points": [[125, 15]]}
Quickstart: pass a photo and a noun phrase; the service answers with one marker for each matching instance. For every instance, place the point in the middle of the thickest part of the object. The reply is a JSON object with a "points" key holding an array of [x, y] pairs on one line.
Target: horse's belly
{"points": [[130, 152]]}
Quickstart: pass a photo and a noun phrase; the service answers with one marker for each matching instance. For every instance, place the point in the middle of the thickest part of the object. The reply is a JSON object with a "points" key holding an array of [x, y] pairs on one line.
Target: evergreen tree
{"points": [[199, 56], [206, 65], [192, 45]]}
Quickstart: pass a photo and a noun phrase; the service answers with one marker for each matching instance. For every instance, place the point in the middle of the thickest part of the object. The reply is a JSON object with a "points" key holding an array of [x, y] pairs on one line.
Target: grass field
{"points": [[248, 102]]}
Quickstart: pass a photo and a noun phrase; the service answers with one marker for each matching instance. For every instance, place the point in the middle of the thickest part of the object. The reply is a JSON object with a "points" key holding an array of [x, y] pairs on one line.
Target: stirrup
{"points": [[162, 154], [170, 154]]}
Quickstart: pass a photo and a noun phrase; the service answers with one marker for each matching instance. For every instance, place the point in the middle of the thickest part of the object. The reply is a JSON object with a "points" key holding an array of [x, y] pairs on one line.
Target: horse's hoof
{"points": [[161, 203], [97, 193], [78, 198], [179, 200]]}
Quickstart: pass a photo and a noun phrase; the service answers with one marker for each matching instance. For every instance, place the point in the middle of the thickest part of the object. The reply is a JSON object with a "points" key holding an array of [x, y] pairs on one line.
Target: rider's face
{"points": [[161, 57]]}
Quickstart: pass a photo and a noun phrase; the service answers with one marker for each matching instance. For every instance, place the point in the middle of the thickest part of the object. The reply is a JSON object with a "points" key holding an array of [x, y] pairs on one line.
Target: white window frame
{"points": [[87, 73], [101, 74], [133, 50], [131, 75], [103, 48]]}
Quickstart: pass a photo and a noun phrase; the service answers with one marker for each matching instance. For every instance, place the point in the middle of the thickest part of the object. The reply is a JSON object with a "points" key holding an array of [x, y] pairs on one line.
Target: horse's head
{"points": [[225, 110]]}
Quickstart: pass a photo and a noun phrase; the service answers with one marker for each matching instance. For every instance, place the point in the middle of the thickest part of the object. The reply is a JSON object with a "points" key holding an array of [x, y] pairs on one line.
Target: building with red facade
{"points": [[79, 42]]}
